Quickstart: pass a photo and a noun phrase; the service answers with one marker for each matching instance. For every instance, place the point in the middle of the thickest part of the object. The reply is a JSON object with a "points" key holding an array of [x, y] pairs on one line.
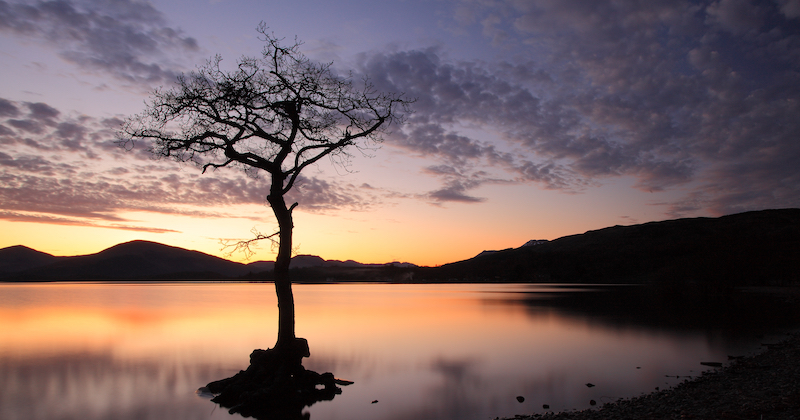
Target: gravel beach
{"points": [[765, 386]]}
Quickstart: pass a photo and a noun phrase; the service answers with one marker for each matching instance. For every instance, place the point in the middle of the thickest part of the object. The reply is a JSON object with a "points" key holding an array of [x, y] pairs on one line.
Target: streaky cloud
{"points": [[126, 39], [51, 220], [70, 171], [659, 92]]}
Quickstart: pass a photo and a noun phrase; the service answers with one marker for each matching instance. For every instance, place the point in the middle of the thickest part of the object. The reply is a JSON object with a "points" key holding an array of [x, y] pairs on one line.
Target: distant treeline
{"points": [[387, 273]]}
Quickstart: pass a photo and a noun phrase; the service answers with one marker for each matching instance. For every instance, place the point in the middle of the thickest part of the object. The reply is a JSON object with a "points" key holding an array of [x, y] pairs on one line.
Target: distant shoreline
{"points": [[765, 385], [236, 281], [758, 248]]}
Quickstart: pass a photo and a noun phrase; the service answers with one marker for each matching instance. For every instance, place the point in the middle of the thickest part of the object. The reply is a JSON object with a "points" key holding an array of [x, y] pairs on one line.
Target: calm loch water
{"points": [[140, 351]]}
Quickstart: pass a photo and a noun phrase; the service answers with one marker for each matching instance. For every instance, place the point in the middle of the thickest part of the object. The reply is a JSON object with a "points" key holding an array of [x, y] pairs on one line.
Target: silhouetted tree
{"points": [[278, 114]]}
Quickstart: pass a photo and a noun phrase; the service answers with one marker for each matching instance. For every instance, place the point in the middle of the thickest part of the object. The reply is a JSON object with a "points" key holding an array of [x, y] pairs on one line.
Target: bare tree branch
{"points": [[243, 246]]}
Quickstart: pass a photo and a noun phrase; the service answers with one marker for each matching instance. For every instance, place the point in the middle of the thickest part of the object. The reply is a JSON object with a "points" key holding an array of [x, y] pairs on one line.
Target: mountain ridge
{"points": [[758, 247], [20, 257], [144, 260]]}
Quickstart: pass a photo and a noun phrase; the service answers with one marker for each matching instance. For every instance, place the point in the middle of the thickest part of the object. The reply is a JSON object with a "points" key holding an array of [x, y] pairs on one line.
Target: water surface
{"points": [[140, 351]]}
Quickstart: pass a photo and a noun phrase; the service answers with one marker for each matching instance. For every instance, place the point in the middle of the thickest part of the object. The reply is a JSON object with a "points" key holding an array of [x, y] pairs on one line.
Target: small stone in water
{"points": [[590, 384], [712, 364], [520, 398], [546, 406], [592, 402]]}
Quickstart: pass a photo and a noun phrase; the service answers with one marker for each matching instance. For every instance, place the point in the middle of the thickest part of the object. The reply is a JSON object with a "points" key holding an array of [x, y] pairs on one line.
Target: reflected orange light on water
{"points": [[402, 321], [129, 322], [418, 349]]}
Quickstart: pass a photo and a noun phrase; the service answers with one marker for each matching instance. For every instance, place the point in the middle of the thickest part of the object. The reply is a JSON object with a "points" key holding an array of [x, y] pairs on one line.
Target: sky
{"points": [[533, 119]]}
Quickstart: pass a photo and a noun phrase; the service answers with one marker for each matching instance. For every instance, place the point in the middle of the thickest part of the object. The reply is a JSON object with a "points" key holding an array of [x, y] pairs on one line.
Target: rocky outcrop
{"points": [[275, 385]]}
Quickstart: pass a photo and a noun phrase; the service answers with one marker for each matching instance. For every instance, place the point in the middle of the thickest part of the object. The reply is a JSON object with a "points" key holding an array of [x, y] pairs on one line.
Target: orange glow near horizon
{"points": [[406, 231], [355, 240]]}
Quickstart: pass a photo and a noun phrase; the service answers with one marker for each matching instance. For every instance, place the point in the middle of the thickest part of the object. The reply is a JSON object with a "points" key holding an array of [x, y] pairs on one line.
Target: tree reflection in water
{"points": [[275, 385]]}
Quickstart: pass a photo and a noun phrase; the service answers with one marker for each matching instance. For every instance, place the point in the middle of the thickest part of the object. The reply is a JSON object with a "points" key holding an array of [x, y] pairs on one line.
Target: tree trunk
{"points": [[283, 284]]}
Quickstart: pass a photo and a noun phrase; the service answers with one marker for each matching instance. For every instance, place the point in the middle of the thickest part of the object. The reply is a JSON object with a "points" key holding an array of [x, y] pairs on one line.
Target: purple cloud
{"points": [[701, 95], [670, 93], [8, 109], [17, 217], [127, 39], [69, 171]]}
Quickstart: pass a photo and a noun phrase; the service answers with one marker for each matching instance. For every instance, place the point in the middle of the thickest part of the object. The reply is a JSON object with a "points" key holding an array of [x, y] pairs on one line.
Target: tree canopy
{"points": [[278, 113]]}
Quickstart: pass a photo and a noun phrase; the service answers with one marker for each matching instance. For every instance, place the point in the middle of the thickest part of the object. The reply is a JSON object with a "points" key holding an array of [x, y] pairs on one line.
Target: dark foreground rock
{"points": [[761, 387], [275, 386]]}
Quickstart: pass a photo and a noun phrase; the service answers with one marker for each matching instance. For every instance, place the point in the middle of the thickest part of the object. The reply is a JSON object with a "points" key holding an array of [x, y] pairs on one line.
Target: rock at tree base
{"points": [[275, 385]]}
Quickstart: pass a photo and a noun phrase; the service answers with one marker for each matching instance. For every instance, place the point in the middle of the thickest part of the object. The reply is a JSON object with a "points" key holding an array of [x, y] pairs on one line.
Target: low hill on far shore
{"points": [[145, 260], [753, 248]]}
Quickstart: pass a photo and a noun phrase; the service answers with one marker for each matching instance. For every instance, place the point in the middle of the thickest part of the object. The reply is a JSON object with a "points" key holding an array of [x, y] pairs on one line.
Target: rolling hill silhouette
{"points": [[18, 258], [145, 260], [134, 260], [753, 248]]}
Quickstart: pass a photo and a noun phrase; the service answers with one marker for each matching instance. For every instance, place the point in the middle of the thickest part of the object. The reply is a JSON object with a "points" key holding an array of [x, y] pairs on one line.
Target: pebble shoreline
{"points": [[765, 386]]}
